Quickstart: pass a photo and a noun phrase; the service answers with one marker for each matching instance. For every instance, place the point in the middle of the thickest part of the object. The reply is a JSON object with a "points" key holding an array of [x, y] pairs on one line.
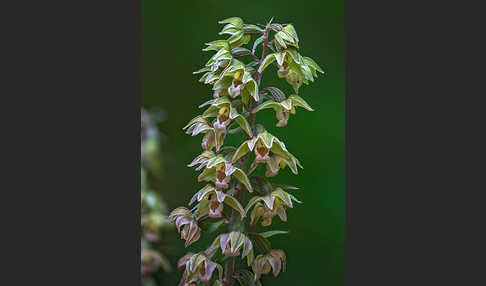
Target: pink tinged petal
{"points": [[209, 267], [276, 264], [269, 200], [223, 241], [229, 169], [247, 247], [251, 143], [183, 260], [215, 210], [220, 196], [281, 213], [196, 161]]}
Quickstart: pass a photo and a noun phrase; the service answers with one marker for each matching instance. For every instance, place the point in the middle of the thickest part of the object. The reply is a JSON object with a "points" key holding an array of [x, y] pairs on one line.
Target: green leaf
{"points": [[268, 60], [299, 101], [272, 233], [236, 21]]}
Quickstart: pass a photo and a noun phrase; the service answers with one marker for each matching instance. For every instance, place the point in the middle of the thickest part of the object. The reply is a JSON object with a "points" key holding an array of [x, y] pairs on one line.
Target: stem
{"points": [[239, 193], [264, 53], [229, 269]]}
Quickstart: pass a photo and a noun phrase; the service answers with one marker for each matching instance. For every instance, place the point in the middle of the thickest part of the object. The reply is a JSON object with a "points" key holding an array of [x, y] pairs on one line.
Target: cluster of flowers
{"points": [[237, 97]]}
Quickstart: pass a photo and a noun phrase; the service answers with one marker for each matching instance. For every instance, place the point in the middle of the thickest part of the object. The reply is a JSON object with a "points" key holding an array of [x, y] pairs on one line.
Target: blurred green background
{"points": [[173, 34]]}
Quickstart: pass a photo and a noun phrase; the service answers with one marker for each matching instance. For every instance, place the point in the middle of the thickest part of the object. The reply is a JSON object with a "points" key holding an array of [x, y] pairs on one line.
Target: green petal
{"points": [[268, 60], [299, 101], [232, 202], [223, 83], [217, 45], [272, 233], [283, 195], [237, 239], [252, 201], [280, 57], [267, 104], [236, 21], [235, 37], [267, 139], [213, 162], [295, 56], [258, 41], [252, 28], [202, 193], [310, 62], [241, 151], [207, 175], [202, 209], [244, 125], [204, 69], [241, 176]]}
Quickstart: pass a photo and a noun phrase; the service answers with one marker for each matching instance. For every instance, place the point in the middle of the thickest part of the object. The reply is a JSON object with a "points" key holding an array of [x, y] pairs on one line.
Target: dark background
{"points": [[173, 34]]}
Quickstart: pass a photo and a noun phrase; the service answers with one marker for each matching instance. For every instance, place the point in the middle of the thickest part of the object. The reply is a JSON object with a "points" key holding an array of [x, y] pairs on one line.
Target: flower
{"points": [[270, 205], [212, 200], [275, 163], [236, 79], [287, 37], [284, 108], [234, 27], [225, 113], [213, 137], [198, 267], [202, 160], [190, 230], [231, 244], [295, 68], [219, 171], [265, 145], [275, 260]]}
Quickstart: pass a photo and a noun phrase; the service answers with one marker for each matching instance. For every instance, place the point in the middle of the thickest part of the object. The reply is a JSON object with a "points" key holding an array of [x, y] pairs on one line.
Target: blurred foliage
{"points": [[153, 208]]}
